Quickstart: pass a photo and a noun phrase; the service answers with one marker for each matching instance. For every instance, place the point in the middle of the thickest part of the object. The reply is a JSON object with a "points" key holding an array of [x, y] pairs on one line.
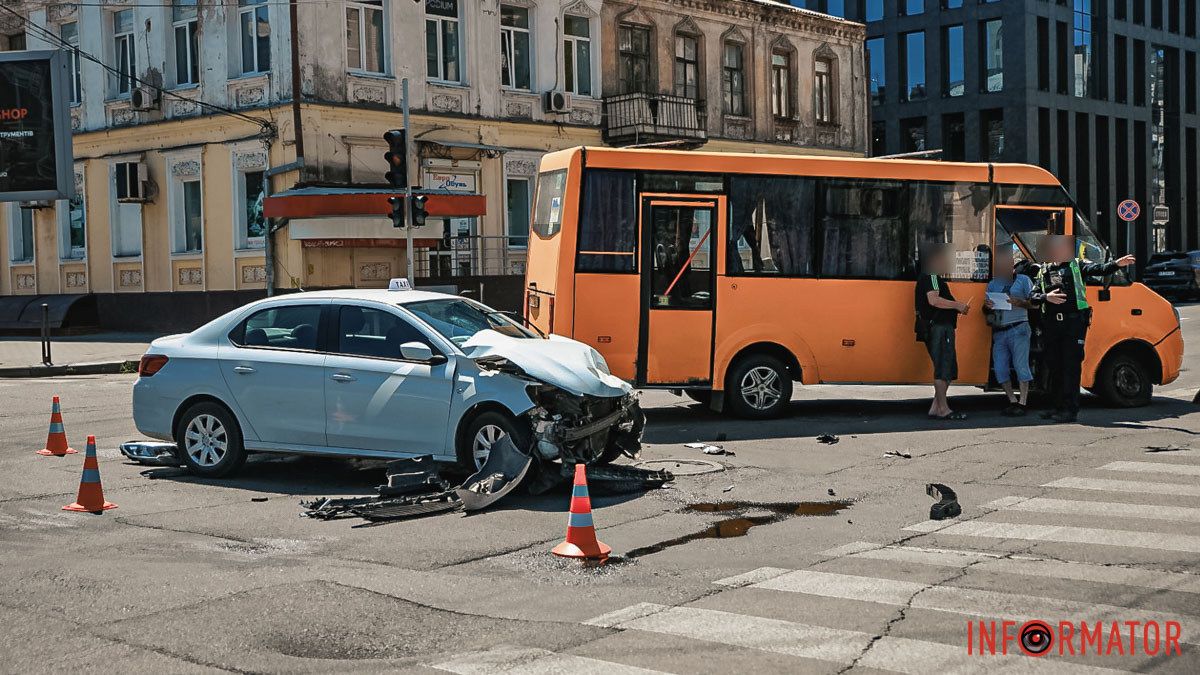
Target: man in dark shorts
{"points": [[937, 317]]}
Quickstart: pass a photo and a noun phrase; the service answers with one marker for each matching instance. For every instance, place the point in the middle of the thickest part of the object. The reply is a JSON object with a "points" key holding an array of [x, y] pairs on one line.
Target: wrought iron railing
{"points": [[645, 118]]}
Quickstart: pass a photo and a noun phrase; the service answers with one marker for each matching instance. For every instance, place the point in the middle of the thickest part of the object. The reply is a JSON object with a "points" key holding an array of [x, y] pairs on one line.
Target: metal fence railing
{"points": [[466, 256], [645, 116]]}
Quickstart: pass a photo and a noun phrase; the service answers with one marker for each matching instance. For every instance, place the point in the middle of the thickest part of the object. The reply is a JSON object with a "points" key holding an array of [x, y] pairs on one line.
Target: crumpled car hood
{"points": [[569, 365]]}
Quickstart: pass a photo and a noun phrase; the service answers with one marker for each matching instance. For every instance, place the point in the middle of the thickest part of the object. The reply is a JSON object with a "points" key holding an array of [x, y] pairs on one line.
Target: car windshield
{"points": [[457, 320]]}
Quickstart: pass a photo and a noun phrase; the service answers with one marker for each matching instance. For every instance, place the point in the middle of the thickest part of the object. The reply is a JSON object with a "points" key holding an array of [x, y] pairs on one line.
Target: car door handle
{"points": [[341, 377], [243, 370]]}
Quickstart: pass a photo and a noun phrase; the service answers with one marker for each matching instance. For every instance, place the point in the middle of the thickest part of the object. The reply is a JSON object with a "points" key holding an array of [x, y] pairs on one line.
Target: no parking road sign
{"points": [[1129, 210]]}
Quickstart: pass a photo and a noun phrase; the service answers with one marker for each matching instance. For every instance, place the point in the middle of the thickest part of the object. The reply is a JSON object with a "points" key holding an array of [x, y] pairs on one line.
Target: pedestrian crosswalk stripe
{"points": [[1183, 514], [1178, 489], [835, 645], [1020, 565], [752, 577], [1062, 534], [1154, 467], [958, 600], [533, 661]]}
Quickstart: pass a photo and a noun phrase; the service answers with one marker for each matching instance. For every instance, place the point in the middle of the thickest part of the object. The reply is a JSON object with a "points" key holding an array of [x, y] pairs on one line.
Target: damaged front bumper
{"points": [[585, 429], [153, 453]]}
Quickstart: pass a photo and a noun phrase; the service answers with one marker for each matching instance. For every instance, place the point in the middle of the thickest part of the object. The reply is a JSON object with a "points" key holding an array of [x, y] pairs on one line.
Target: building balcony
{"points": [[640, 118]]}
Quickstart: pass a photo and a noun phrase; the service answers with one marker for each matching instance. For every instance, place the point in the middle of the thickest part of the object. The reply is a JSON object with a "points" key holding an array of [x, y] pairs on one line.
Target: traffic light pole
{"points": [[408, 224]]}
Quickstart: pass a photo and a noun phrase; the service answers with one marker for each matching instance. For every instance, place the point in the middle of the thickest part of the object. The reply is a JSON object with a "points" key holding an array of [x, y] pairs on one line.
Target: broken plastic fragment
{"points": [[828, 439]]}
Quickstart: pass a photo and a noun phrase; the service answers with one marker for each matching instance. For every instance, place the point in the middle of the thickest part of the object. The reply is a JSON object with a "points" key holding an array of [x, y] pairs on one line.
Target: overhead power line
{"points": [[267, 125]]}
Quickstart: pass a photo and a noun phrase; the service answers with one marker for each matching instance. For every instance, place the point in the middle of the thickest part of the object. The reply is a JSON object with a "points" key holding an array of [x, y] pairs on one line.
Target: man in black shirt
{"points": [[1059, 291], [937, 317]]}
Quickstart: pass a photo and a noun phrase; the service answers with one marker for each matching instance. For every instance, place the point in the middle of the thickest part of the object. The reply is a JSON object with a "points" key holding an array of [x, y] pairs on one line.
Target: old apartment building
{"points": [[183, 118]]}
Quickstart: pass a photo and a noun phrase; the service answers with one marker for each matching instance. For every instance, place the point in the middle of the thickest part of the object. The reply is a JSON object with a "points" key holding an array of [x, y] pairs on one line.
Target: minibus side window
{"points": [[957, 214], [772, 226], [864, 234], [608, 223], [547, 216]]}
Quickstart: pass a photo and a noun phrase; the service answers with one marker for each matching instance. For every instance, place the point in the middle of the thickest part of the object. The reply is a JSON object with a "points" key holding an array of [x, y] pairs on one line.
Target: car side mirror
{"points": [[419, 351]]}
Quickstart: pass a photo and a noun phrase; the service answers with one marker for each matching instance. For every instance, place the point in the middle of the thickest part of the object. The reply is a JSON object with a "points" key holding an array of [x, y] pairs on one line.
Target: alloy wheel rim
{"points": [[1128, 381], [206, 440], [761, 388], [481, 446]]}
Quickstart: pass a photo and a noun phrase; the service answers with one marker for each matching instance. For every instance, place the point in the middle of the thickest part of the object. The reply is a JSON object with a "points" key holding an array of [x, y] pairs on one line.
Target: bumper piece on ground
{"points": [[154, 453]]}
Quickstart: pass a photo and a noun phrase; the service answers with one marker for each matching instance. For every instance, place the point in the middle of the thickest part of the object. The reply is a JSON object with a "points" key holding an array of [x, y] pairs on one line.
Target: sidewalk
{"points": [[73, 355]]}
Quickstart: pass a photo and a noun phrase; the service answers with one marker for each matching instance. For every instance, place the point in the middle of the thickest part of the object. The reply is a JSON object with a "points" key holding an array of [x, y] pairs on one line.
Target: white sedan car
{"points": [[379, 373]]}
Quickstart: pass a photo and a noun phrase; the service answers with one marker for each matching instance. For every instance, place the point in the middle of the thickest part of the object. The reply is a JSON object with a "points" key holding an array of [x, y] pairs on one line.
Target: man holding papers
{"points": [[1008, 304]]}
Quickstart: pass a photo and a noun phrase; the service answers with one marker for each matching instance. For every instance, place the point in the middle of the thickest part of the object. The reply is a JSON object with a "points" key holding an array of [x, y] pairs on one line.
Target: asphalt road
{"points": [[1059, 523]]}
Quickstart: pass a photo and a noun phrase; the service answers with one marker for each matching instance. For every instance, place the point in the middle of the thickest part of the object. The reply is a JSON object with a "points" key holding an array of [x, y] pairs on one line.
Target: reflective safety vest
{"points": [[936, 287], [1081, 302]]}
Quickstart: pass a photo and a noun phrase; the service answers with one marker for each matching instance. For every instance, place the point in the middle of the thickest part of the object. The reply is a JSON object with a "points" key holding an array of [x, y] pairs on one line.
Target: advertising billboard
{"points": [[35, 127]]}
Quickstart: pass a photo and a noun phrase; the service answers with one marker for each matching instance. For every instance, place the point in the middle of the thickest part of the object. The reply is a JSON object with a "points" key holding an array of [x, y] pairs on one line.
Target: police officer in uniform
{"points": [[1060, 292]]}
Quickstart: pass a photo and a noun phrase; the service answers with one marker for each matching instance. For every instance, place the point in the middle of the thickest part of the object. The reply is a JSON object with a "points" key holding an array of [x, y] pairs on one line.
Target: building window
{"points": [[187, 48], [878, 70], [1061, 53], [913, 58], [1043, 53], [123, 51], [878, 138], [687, 66], [633, 58], [825, 91], [188, 227], [441, 40], [577, 55], [992, 39], [991, 124], [72, 228], [1082, 49], [953, 63], [125, 222], [364, 36], [69, 32], [781, 84], [255, 30], [913, 7], [912, 135], [519, 193], [15, 42], [954, 137], [20, 234], [733, 83], [252, 227], [514, 47]]}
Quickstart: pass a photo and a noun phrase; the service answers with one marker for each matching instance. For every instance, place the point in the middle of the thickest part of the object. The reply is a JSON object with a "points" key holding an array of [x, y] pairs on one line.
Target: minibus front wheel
{"points": [[1124, 379], [758, 386]]}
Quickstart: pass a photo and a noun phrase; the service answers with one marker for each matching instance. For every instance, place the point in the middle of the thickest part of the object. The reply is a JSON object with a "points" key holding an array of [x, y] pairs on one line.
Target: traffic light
{"points": [[397, 158], [397, 211], [446, 243], [419, 214]]}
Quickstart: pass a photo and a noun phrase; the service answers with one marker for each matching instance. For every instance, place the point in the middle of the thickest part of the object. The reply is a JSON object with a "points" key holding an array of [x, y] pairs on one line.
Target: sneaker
{"points": [[1018, 410], [1012, 410]]}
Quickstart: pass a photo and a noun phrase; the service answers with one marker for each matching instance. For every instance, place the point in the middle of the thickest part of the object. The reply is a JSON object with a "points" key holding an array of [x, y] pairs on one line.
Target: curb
{"points": [[110, 368]]}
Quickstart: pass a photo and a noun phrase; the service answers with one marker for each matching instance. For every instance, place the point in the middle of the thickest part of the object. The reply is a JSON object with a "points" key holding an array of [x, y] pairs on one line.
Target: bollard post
{"points": [[46, 360]]}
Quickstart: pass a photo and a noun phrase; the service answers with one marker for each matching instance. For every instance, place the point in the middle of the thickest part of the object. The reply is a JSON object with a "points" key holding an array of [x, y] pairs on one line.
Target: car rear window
{"points": [[287, 327]]}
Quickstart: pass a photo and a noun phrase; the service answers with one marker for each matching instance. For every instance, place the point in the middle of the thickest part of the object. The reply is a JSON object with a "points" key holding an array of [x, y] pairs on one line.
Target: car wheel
{"points": [[209, 440], [758, 386], [485, 430], [1124, 382]]}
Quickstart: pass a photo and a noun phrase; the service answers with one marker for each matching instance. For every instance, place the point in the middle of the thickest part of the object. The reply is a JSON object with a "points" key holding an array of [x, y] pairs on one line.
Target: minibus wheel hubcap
{"points": [[761, 388], [1129, 382]]}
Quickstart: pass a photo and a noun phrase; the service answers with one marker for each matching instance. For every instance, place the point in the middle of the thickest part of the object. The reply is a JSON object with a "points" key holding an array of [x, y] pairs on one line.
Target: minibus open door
{"points": [[679, 235]]}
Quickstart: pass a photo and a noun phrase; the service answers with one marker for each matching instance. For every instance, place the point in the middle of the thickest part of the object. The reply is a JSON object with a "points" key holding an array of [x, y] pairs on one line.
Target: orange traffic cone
{"points": [[56, 440], [91, 494], [581, 539]]}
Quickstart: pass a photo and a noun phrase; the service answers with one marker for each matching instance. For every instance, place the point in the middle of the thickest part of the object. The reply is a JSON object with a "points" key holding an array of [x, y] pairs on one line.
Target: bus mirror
{"points": [[1105, 295]]}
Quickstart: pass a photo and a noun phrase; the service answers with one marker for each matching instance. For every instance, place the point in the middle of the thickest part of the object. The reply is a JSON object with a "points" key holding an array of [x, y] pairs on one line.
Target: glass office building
{"points": [[1101, 92]]}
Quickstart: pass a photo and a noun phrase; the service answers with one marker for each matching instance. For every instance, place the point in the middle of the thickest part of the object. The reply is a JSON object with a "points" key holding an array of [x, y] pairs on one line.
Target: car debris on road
{"points": [[828, 439], [709, 449], [897, 453], [947, 505]]}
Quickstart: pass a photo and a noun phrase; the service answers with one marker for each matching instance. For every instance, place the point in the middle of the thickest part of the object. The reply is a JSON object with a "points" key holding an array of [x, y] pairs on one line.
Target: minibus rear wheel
{"points": [[758, 386], [1124, 381]]}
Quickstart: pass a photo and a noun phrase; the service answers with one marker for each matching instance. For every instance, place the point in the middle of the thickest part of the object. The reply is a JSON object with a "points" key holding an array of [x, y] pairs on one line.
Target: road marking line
{"points": [[901, 655], [1178, 489], [1154, 467], [1097, 510], [752, 577], [1063, 534], [1024, 566], [530, 660], [629, 613], [958, 600]]}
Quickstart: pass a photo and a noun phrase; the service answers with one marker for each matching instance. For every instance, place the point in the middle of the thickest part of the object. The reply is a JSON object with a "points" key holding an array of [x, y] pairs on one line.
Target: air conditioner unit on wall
{"points": [[132, 182], [144, 98], [556, 102]]}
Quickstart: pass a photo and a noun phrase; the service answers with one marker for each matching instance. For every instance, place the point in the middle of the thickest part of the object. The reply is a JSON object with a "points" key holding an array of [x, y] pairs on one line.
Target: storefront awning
{"points": [[332, 202]]}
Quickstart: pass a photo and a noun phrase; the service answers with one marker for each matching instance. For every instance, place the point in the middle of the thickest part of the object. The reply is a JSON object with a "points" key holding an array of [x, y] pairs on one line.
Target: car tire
{"points": [[1124, 382], [209, 440], [758, 386], [483, 428]]}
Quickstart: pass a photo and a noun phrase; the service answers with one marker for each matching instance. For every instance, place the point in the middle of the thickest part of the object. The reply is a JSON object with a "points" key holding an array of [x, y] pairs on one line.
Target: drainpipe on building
{"points": [[297, 125]]}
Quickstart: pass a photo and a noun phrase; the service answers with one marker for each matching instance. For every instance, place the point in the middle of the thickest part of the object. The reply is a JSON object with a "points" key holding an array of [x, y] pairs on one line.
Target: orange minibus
{"points": [[732, 276]]}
